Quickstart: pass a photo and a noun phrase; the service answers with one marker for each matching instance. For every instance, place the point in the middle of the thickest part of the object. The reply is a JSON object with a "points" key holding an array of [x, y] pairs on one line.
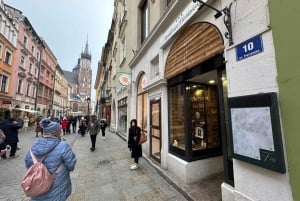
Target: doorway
{"points": [[155, 130]]}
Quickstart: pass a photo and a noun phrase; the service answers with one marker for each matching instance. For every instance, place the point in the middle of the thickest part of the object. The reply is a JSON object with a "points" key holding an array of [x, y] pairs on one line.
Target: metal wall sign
{"points": [[256, 131], [249, 48]]}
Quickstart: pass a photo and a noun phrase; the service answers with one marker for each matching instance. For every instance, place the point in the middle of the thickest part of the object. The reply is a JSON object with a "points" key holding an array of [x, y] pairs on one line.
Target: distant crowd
{"points": [[12, 123]]}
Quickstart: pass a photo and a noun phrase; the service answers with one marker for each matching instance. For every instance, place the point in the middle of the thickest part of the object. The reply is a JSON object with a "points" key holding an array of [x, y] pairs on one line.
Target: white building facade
{"points": [[190, 71]]}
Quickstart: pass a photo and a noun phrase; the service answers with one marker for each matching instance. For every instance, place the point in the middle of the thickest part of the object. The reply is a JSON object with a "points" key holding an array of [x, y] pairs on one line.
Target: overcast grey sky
{"points": [[66, 25]]}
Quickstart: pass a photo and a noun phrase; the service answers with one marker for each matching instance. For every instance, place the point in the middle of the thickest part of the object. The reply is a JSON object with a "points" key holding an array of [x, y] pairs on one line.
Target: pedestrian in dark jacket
{"points": [[74, 122], [93, 128], [103, 125], [133, 143], [11, 128], [82, 126], [58, 155]]}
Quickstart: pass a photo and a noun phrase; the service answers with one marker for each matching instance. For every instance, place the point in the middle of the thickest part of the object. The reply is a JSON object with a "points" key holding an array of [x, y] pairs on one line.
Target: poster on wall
{"points": [[256, 132]]}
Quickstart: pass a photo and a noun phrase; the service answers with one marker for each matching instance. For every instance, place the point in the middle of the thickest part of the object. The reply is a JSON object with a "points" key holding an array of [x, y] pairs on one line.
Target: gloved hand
{"points": [[129, 147]]}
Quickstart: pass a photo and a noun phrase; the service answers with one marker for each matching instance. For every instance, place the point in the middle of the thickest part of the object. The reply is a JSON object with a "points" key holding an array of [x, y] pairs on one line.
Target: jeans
{"points": [[93, 139]]}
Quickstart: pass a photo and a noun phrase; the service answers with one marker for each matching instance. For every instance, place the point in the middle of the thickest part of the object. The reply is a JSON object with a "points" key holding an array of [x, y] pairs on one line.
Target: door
{"points": [[155, 129]]}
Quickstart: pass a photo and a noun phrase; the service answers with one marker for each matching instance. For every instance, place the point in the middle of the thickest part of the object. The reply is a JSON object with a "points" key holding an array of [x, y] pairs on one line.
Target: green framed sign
{"points": [[255, 130]]}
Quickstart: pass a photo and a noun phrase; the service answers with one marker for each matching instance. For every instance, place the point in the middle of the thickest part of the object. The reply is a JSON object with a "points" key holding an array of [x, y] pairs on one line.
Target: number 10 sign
{"points": [[249, 48]]}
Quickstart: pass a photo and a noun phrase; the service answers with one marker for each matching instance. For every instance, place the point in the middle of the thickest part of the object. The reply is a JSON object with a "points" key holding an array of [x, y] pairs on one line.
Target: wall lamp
{"points": [[227, 18]]}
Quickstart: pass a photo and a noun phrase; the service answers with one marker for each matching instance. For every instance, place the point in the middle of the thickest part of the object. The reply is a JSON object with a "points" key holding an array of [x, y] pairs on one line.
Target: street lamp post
{"points": [[88, 100]]}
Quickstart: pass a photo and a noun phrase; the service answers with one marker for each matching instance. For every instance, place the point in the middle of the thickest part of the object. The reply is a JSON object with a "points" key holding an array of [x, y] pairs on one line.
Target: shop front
{"points": [[197, 92]]}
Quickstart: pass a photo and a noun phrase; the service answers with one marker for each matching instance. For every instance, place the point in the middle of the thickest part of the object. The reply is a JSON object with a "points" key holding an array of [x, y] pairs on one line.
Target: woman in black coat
{"points": [[133, 143]]}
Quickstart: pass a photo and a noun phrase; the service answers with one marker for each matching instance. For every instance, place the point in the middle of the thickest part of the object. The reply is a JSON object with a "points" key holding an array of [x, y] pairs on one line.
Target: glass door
{"points": [[155, 129]]}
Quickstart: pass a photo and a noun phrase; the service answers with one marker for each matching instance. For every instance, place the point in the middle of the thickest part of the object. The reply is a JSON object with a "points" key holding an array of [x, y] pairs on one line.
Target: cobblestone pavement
{"points": [[100, 175]]}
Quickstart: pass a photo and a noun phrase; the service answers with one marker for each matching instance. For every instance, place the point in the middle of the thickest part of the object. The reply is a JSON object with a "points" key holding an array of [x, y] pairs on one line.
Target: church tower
{"points": [[85, 73]]}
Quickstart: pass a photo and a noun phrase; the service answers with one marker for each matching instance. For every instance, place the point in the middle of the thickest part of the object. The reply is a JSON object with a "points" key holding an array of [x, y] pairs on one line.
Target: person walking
{"points": [[11, 128], [133, 143], [74, 122], [93, 128], [58, 155], [64, 125], [82, 126], [103, 125], [38, 128]]}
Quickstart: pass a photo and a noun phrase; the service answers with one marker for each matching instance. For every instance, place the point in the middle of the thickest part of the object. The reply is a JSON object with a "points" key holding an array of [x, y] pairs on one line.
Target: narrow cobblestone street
{"points": [[100, 175]]}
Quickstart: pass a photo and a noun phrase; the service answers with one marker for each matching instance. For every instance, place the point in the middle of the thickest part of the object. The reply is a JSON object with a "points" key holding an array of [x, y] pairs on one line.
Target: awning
{"points": [[24, 110]]}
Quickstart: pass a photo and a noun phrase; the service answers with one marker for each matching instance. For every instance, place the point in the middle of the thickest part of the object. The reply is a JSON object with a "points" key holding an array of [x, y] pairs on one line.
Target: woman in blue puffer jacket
{"points": [[58, 152]]}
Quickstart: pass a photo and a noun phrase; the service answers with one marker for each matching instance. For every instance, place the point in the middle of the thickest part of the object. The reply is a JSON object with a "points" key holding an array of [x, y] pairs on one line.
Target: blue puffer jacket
{"points": [[58, 152]]}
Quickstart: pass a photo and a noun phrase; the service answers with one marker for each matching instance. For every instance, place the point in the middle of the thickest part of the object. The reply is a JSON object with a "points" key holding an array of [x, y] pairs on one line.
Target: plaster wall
{"points": [[256, 74]]}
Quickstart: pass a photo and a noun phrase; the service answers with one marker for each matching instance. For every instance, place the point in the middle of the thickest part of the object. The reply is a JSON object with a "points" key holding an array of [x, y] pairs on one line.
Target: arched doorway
{"points": [[197, 90]]}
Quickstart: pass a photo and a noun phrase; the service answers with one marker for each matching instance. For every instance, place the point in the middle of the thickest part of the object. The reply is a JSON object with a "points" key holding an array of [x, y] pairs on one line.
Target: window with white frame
{"points": [[123, 49], [19, 87], [33, 91], [8, 56], [4, 83], [22, 62], [144, 20], [30, 68], [28, 90], [25, 41]]}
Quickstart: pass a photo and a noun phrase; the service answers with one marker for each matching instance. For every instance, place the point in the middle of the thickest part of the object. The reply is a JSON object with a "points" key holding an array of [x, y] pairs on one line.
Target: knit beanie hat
{"points": [[49, 127]]}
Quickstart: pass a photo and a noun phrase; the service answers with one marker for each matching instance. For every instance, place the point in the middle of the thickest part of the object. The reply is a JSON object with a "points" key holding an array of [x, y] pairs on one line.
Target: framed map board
{"points": [[255, 130]]}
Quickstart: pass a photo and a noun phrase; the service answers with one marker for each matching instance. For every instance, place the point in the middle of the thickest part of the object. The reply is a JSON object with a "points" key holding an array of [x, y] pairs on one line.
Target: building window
{"points": [[32, 49], [28, 90], [123, 50], [25, 41], [42, 71], [30, 68], [40, 90], [144, 20], [19, 87], [7, 59], [142, 105], [4, 83], [33, 91], [22, 61], [122, 115], [45, 92]]}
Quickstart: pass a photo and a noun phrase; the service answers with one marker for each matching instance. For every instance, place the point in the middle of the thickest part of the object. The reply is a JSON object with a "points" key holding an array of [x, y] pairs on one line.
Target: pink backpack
{"points": [[37, 179]]}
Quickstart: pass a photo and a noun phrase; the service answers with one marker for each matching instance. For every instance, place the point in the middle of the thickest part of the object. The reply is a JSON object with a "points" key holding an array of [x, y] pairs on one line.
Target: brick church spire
{"points": [[86, 54]]}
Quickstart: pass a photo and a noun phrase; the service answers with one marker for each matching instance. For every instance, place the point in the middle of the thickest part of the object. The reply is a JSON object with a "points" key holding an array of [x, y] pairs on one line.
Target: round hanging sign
{"points": [[124, 79]]}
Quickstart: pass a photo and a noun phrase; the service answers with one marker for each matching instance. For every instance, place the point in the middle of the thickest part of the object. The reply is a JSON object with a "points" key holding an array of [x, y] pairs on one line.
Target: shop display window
{"points": [[122, 111], [193, 121], [142, 100]]}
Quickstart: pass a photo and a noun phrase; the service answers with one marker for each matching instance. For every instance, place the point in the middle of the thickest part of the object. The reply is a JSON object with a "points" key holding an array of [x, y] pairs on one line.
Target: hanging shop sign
{"points": [[249, 48], [256, 132], [124, 79]]}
